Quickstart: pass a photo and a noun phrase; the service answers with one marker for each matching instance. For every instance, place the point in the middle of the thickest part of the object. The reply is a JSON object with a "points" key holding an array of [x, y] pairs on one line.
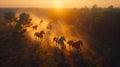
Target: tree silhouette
{"points": [[10, 17], [21, 25], [24, 18]]}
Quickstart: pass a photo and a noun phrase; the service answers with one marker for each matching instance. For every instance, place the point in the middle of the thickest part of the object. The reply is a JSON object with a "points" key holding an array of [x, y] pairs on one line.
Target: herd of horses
{"points": [[60, 40]]}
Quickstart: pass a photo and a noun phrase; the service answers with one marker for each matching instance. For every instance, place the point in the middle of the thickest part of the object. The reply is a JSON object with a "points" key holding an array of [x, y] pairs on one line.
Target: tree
{"points": [[10, 17], [24, 18], [21, 25]]}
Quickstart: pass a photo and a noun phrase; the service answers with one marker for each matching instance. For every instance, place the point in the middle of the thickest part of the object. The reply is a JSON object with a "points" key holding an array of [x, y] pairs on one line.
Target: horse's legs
{"points": [[70, 47], [63, 46], [56, 44], [40, 41]]}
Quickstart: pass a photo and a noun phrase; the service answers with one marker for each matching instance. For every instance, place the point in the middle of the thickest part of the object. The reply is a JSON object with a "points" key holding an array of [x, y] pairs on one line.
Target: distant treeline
{"points": [[101, 24]]}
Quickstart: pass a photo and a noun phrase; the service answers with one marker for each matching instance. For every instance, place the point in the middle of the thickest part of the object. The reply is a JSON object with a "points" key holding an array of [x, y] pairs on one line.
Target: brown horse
{"points": [[76, 44], [35, 27], [39, 34], [60, 41]]}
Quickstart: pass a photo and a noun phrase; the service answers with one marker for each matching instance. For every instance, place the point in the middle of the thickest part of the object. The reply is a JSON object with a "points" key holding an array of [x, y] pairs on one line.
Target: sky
{"points": [[58, 3]]}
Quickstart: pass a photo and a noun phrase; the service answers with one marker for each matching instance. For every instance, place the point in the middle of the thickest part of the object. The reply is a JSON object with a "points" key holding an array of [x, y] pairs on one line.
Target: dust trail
{"points": [[52, 28]]}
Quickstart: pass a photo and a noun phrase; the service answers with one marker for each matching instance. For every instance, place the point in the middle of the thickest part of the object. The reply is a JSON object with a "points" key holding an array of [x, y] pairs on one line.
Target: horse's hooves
{"points": [[63, 47]]}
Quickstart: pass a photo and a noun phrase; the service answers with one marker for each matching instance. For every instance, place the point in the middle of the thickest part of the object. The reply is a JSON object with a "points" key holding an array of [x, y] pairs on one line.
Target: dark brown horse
{"points": [[39, 34], [35, 27], [76, 44]]}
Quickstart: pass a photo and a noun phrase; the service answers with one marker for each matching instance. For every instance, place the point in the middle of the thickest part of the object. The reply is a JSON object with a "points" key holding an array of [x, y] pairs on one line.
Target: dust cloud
{"points": [[52, 28]]}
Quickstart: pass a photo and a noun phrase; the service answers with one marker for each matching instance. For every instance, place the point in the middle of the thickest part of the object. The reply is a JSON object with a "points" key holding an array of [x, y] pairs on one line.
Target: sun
{"points": [[58, 6]]}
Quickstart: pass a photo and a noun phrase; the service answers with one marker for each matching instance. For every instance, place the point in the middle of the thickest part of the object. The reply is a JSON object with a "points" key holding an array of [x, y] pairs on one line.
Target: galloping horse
{"points": [[35, 27], [76, 44], [39, 34], [60, 41]]}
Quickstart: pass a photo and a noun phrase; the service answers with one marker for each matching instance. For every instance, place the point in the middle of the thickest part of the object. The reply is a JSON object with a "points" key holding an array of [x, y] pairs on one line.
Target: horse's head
{"points": [[63, 38], [42, 32]]}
